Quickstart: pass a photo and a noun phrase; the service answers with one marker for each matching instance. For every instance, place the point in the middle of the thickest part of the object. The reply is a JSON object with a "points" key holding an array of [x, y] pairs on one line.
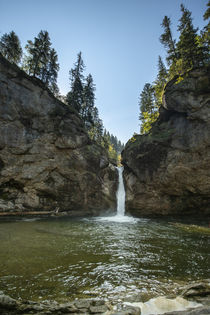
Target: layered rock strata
{"points": [[167, 172], [47, 161]]}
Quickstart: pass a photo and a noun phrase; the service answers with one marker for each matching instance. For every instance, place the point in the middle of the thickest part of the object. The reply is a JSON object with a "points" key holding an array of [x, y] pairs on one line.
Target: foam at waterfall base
{"points": [[118, 218], [161, 305]]}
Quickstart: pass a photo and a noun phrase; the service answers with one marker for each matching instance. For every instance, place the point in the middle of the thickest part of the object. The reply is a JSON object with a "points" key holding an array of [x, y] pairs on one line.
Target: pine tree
{"points": [[148, 108], [38, 55], [191, 55], [75, 96], [88, 102], [42, 61], [96, 130], [10, 47], [160, 81], [168, 42], [147, 99], [204, 38], [49, 74], [206, 15]]}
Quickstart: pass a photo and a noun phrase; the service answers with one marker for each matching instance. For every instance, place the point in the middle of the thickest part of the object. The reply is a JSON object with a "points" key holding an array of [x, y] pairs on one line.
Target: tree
{"points": [[190, 53], [206, 15], [38, 55], [88, 102], [10, 47], [148, 108], [112, 146], [204, 38], [160, 82], [49, 74], [147, 99], [96, 130], [168, 42], [75, 96], [42, 61]]}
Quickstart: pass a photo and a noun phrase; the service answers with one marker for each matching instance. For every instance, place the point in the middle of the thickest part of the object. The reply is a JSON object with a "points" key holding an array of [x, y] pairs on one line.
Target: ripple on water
{"points": [[96, 256]]}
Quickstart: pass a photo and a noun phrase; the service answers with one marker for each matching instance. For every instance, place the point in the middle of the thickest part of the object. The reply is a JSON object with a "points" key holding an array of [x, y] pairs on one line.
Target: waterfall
{"points": [[120, 194]]}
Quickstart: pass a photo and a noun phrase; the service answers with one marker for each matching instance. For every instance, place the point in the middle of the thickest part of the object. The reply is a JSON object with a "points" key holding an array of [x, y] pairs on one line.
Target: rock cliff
{"points": [[47, 161], [168, 170]]}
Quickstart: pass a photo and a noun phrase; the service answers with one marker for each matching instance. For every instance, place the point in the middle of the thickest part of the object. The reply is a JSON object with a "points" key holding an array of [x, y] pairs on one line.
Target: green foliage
{"points": [[190, 52], [87, 108], [147, 121], [41, 61], [50, 72], [113, 146], [111, 139], [95, 130], [38, 54], [75, 96], [133, 139], [192, 49], [206, 15], [204, 38], [148, 108], [168, 42], [160, 82], [82, 98], [10, 47]]}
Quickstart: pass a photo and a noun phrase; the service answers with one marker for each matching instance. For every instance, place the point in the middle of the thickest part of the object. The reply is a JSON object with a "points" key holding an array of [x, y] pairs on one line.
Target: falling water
{"points": [[120, 194]]}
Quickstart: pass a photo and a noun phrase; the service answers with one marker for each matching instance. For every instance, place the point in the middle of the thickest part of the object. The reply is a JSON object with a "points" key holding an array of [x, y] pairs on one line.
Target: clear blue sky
{"points": [[119, 40]]}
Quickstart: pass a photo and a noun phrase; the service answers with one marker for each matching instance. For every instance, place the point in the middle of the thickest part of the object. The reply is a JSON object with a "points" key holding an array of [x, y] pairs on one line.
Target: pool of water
{"points": [[65, 258]]}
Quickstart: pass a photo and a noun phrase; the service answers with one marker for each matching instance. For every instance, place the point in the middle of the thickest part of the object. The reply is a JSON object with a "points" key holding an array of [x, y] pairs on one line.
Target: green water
{"points": [[67, 258]]}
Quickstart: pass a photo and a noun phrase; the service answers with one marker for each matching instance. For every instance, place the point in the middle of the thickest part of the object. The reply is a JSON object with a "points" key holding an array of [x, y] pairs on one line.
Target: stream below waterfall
{"points": [[68, 258], [117, 257]]}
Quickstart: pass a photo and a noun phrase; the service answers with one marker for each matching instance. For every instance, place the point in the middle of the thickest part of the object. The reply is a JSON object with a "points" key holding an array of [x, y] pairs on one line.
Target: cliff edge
{"points": [[168, 170], [47, 161]]}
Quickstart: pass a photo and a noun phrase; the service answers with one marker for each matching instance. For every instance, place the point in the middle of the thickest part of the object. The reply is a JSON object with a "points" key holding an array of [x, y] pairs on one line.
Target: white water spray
{"points": [[120, 216], [120, 194]]}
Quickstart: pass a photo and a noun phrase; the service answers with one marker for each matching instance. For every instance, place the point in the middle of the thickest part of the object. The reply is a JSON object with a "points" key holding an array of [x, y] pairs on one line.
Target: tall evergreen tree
{"points": [[49, 73], [75, 96], [88, 102], [206, 15], [96, 130], [191, 54], [148, 108], [147, 99], [204, 38], [168, 42], [160, 81], [38, 55], [42, 61], [10, 47]]}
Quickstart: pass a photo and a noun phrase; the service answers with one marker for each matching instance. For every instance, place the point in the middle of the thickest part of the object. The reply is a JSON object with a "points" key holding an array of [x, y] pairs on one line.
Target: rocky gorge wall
{"points": [[47, 161], [168, 170]]}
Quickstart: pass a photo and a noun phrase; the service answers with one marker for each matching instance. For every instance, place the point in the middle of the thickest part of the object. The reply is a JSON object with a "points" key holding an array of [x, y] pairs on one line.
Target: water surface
{"points": [[66, 258]]}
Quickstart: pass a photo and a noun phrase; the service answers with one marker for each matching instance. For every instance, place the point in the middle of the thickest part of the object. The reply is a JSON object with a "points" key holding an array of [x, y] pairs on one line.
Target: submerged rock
{"points": [[75, 307], [47, 161], [6, 302], [197, 289], [167, 171]]}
